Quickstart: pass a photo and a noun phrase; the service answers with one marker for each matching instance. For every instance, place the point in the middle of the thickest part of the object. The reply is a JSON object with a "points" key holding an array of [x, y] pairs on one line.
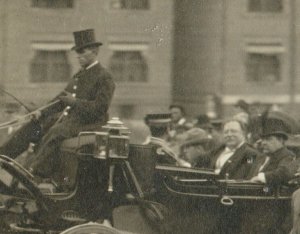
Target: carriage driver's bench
{"points": [[111, 145]]}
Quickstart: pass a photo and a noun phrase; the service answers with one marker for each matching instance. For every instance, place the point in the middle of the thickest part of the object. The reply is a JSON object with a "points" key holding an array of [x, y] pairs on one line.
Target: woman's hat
{"points": [[85, 38]]}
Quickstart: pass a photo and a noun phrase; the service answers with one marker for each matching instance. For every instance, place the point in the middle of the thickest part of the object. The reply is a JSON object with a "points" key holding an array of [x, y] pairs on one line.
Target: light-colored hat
{"points": [[195, 136]]}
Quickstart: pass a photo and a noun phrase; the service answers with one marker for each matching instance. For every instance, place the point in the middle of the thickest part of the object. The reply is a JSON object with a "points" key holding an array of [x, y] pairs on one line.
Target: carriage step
{"points": [[15, 228], [72, 216]]}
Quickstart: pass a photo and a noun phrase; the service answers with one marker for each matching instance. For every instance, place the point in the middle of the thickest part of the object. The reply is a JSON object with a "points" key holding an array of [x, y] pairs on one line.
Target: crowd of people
{"points": [[243, 147]]}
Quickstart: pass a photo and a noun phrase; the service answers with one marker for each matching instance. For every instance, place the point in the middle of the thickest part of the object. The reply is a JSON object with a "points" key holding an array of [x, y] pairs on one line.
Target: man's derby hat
{"points": [[278, 123], [85, 38]]}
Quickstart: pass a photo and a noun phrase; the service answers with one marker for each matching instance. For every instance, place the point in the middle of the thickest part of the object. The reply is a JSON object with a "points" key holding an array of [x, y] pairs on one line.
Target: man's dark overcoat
{"points": [[239, 164], [280, 168], [271, 216]]}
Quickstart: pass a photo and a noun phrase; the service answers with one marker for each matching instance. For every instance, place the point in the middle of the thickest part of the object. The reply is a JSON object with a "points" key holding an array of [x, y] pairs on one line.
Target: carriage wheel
{"points": [[94, 228]]}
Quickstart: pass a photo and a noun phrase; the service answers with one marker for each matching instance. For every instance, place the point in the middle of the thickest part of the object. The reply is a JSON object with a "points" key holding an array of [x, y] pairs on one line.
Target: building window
{"points": [[50, 66], [52, 3], [130, 4], [265, 5], [263, 67], [128, 66]]}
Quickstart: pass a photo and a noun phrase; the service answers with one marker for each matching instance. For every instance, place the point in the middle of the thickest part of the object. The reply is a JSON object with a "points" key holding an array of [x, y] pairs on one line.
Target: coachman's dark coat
{"points": [[94, 89]]}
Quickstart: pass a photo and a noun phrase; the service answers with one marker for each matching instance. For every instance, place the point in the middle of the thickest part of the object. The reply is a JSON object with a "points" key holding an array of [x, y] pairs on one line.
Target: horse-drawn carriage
{"points": [[104, 177]]}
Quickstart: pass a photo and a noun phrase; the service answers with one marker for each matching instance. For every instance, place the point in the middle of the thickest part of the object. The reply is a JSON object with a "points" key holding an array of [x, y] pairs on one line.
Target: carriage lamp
{"points": [[110, 144], [101, 146], [118, 146], [93, 144], [118, 140]]}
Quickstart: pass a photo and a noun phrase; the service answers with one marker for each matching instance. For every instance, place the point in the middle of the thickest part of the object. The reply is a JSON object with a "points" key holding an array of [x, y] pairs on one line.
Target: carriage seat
{"points": [[72, 144], [66, 173]]}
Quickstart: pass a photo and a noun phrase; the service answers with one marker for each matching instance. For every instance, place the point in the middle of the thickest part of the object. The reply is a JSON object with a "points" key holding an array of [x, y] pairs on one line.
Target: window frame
{"points": [[129, 9], [137, 47], [265, 11], [272, 49], [32, 4], [50, 47]]}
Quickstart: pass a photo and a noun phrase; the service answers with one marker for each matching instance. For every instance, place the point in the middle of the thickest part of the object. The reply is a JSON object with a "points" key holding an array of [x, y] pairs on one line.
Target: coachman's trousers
{"points": [[46, 158]]}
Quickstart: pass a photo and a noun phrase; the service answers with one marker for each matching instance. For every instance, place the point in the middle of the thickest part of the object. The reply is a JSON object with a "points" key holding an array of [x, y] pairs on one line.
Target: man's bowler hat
{"points": [[85, 38], [278, 123]]}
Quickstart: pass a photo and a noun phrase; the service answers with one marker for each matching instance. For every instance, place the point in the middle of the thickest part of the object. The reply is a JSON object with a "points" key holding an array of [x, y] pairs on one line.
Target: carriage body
{"points": [[100, 164]]}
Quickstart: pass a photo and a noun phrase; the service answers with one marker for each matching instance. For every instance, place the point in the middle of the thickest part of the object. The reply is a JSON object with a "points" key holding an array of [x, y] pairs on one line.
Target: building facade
{"points": [[198, 53], [36, 37], [235, 49]]}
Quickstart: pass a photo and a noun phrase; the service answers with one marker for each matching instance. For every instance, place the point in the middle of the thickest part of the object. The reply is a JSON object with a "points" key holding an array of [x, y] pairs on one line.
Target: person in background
{"points": [[250, 115], [179, 123], [202, 121], [214, 131], [242, 107], [159, 126]]}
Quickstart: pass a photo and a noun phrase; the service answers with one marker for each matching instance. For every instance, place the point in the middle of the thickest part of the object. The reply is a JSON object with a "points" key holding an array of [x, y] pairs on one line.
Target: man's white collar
{"points": [[181, 121], [91, 65]]}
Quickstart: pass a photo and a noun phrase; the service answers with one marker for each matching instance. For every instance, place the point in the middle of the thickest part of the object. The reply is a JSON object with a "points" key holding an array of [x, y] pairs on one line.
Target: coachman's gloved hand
{"points": [[36, 114], [68, 99]]}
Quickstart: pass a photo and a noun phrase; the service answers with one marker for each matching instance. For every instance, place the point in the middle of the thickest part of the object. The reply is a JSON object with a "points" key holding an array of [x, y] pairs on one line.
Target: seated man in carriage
{"points": [[277, 167], [235, 158], [84, 102]]}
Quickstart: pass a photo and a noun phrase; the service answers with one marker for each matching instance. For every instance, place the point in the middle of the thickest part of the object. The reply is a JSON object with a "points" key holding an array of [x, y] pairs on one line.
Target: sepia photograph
{"points": [[150, 116]]}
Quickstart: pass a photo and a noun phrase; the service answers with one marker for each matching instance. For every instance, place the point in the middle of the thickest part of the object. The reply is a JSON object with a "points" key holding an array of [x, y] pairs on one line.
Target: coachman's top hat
{"points": [[85, 38], [278, 123]]}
